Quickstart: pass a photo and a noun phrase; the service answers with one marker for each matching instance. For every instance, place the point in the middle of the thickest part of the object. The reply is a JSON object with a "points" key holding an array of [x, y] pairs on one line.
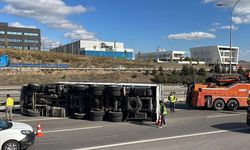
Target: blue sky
{"points": [[142, 24]]}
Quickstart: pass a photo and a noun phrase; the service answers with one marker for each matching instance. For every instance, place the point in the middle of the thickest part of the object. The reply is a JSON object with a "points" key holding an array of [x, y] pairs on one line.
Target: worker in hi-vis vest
{"points": [[248, 100], [163, 113], [9, 106], [171, 99]]}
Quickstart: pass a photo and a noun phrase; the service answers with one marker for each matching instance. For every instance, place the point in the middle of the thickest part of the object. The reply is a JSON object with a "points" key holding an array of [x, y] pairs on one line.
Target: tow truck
{"points": [[248, 114], [219, 92]]}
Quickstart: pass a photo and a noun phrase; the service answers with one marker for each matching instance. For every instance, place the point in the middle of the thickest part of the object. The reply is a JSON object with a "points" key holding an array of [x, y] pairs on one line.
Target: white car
{"points": [[15, 135]]}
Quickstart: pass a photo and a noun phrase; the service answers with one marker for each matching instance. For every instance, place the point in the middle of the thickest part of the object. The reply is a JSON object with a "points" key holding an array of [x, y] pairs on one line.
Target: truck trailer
{"points": [[89, 100]]}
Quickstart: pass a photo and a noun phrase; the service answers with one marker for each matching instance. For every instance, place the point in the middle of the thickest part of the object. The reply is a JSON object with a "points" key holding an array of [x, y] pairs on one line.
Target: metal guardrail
{"points": [[10, 88]]}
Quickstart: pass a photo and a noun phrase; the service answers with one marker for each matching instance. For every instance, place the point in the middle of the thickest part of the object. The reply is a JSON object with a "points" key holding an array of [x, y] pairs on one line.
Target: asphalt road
{"points": [[186, 129]]}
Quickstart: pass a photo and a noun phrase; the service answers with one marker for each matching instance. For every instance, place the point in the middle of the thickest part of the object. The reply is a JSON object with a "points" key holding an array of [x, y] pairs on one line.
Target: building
{"points": [[216, 55], [19, 38], [96, 48], [161, 56]]}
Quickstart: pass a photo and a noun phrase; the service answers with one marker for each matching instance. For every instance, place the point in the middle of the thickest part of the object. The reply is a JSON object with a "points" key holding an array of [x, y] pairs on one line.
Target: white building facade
{"points": [[97, 48], [161, 56], [216, 55]]}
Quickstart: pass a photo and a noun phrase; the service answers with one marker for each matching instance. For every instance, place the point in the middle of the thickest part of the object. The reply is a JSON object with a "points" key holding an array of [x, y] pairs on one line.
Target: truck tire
{"points": [[219, 104], [113, 114], [134, 104], [117, 119], [80, 87], [31, 113], [97, 113], [116, 93], [97, 88], [79, 115], [100, 118], [232, 104], [115, 90], [97, 93], [34, 87]]}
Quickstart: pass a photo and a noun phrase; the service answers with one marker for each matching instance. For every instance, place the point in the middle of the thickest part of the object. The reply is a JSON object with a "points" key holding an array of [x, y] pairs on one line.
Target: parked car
{"points": [[15, 135]]}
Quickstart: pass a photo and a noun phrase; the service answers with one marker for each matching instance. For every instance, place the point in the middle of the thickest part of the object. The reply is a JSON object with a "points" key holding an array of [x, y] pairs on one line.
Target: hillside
{"points": [[18, 56], [17, 77]]}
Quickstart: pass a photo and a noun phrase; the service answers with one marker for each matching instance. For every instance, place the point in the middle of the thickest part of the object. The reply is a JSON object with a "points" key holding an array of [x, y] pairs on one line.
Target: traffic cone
{"points": [[158, 122], [39, 130]]}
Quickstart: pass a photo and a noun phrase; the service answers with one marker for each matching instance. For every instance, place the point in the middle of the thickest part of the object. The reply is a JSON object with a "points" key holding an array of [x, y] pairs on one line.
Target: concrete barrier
{"points": [[180, 91]]}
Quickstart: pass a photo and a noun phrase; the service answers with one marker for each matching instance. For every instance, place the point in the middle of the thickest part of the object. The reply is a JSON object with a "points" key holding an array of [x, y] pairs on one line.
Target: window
{"points": [[14, 33], [15, 40], [30, 48], [2, 32], [30, 34], [30, 41], [15, 47]]}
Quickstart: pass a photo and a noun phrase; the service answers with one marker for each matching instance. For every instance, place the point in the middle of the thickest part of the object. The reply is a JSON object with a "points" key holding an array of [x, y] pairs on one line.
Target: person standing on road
{"points": [[9, 106], [248, 100], [171, 99], [163, 113]]}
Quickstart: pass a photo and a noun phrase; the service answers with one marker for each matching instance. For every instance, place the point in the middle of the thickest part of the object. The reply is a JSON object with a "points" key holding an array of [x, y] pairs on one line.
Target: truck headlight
{"points": [[26, 132]]}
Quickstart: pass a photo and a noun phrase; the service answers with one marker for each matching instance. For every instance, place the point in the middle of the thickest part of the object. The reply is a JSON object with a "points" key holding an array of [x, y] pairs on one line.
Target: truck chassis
{"points": [[94, 101]]}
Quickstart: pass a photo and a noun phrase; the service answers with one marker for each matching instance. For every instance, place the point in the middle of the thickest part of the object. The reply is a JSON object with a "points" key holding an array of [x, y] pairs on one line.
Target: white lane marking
{"points": [[75, 129], [41, 119], [161, 139], [227, 115]]}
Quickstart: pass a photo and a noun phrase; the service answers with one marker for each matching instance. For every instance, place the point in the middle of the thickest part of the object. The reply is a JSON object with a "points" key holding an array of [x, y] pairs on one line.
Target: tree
{"points": [[187, 59], [161, 70], [171, 59], [174, 72], [240, 70], [217, 68], [191, 70], [185, 70], [154, 72], [223, 70], [211, 70], [201, 72], [139, 56]]}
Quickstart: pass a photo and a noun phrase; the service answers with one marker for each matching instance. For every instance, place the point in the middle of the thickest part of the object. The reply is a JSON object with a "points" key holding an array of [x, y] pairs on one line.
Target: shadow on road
{"points": [[180, 105], [144, 123], [240, 127]]}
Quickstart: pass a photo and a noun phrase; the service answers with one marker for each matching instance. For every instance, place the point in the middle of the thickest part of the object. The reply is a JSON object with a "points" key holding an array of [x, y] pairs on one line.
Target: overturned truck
{"points": [[94, 101]]}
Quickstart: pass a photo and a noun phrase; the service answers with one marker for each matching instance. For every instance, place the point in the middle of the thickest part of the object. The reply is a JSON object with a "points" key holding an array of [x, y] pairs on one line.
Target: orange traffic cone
{"points": [[39, 130], [158, 122]]}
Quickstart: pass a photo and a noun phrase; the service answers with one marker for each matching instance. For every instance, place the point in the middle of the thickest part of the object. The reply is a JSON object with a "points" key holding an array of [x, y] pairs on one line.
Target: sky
{"points": [[143, 25]]}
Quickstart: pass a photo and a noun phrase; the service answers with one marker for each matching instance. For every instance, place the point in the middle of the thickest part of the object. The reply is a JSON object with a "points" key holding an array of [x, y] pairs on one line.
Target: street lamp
{"points": [[72, 46], [131, 43], [231, 22]]}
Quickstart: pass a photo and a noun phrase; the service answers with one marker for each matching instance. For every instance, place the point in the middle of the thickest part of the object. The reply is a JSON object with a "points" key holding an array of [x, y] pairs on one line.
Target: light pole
{"points": [[231, 22], [72, 44], [131, 43]]}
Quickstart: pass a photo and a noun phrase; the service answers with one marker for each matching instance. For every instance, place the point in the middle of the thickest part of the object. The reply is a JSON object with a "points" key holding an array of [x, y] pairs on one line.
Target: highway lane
{"points": [[64, 133], [221, 140]]}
